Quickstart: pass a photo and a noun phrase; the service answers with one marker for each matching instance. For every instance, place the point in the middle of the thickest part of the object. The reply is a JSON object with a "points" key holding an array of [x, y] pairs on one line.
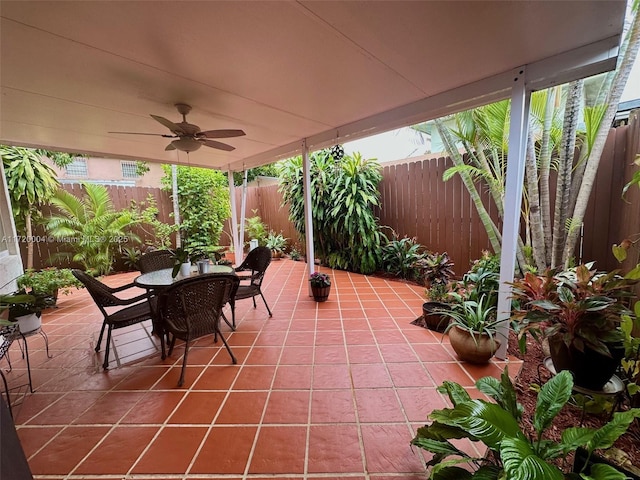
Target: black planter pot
{"points": [[433, 320], [590, 369], [581, 459]]}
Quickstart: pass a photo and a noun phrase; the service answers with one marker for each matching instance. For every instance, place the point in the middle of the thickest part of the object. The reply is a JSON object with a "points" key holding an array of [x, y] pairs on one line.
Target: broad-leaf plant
{"points": [[513, 454]]}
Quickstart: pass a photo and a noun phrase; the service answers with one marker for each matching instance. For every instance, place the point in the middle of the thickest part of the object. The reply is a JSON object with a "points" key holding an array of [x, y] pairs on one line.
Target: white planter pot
{"points": [[185, 269], [29, 323]]}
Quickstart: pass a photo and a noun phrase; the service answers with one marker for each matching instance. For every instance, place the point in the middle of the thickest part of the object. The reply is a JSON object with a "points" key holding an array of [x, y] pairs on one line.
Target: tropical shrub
{"points": [[91, 227], [513, 454], [157, 233], [31, 183], [256, 229], [346, 232], [399, 257], [203, 198]]}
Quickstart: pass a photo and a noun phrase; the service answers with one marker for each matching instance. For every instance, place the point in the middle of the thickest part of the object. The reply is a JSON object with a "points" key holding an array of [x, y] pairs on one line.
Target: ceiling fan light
{"points": [[186, 144]]}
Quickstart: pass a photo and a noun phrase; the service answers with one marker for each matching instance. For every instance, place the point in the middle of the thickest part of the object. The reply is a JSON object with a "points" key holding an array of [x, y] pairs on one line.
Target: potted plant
{"points": [[579, 312], [436, 269], [499, 425], [182, 264], [49, 282], [472, 330], [294, 254], [276, 243], [320, 286], [25, 309], [437, 301]]}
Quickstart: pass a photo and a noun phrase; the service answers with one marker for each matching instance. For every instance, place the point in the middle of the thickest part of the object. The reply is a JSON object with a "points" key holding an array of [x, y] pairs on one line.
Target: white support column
{"points": [[243, 215], [308, 212], [520, 98], [174, 197], [237, 248]]}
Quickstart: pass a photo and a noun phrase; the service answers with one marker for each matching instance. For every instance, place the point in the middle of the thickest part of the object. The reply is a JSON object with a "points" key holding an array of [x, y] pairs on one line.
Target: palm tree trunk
{"points": [[545, 167], [619, 82], [565, 163], [495, 184], [535, 220], [489, 226]]}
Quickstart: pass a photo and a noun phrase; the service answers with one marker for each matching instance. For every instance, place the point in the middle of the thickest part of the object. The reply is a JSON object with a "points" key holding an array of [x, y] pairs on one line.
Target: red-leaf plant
{"points": [[582, 305]]}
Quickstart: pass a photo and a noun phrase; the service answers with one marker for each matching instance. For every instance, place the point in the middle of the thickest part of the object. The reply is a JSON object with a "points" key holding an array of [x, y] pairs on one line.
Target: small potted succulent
{"points": [[320, 286]]}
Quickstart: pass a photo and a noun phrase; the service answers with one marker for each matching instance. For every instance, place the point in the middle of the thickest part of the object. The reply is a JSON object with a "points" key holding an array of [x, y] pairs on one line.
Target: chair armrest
{"points": [[121, 288], [129, 301]]}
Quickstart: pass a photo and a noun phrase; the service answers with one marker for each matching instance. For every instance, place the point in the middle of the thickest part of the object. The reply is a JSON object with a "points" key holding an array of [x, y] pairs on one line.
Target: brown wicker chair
{"points": [[156, 260], [256, 262], [7, 334], [136, 309], [192, 308]]}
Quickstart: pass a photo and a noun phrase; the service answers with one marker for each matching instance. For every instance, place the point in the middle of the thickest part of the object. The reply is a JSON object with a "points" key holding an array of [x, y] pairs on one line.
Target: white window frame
{"points": [[125, 165], [75, 164]]}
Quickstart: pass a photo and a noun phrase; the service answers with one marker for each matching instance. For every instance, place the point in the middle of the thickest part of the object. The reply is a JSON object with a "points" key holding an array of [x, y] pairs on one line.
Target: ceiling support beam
{"points": [[518, 128], [578, 63]]}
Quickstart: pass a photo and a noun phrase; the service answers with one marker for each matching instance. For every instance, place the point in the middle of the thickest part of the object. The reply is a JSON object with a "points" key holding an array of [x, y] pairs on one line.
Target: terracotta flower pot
{"points": [[479, 350]]}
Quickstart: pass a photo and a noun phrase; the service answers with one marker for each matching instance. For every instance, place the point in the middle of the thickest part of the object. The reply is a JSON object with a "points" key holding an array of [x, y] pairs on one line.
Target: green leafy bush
{"points": [[158, 234], [91, 227], [346, 232], [203, 198], [513, 454], [399, 257], [256, 229]]}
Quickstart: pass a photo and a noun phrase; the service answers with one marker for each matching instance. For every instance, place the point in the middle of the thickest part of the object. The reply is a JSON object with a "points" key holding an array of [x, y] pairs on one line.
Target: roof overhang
{"points": [[282, 71]]}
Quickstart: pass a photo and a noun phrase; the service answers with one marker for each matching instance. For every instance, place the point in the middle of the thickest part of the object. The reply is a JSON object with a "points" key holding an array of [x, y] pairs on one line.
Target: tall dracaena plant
{"points": [[31, 183], [346, 231]]}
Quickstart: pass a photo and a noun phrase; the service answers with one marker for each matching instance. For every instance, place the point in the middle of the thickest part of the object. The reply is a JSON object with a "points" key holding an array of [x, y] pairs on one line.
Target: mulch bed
{"points": [[533, 374], [571, 415]]}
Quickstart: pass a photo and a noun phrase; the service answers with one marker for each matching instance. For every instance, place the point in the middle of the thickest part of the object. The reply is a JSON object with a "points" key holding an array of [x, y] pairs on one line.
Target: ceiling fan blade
{"points": [[218, 145], [225, 133], [139, 133], [171, 146], [174, 127]]}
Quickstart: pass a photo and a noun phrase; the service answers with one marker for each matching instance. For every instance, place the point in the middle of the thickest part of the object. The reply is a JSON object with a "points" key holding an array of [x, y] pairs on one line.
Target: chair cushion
{"points": [[247, 291], [130, 315]]}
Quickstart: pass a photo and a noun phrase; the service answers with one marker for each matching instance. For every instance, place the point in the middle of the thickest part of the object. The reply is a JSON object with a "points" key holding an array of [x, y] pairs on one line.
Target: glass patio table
{"points": [[157, 281], [161, 279]]}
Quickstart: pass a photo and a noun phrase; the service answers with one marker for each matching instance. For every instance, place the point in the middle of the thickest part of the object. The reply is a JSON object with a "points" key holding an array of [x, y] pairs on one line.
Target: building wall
{"points": [[110, 171]]}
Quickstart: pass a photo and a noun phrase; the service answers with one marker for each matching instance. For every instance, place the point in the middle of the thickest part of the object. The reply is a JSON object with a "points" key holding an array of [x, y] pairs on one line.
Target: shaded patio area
{"points": [[321, 390]]}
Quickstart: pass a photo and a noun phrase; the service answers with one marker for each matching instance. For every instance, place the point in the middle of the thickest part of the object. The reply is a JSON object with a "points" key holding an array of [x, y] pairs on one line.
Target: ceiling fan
{"points": [[189, 137]]}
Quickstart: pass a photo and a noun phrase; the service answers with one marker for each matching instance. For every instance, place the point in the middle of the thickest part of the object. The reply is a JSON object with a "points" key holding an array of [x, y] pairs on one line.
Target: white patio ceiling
{"points": [[281, 71]]}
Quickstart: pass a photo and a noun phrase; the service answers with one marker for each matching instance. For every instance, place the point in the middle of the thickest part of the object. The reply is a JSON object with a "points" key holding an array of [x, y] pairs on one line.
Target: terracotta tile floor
{"points": [[321, 390]]}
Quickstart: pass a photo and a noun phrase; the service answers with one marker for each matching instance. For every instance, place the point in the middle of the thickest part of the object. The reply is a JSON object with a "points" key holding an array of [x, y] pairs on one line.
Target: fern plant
{"points": [[513, 454]]}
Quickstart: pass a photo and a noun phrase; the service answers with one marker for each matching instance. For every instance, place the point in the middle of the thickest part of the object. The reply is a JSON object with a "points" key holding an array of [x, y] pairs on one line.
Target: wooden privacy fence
{"points": [[415, 202], [45, 247]]}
